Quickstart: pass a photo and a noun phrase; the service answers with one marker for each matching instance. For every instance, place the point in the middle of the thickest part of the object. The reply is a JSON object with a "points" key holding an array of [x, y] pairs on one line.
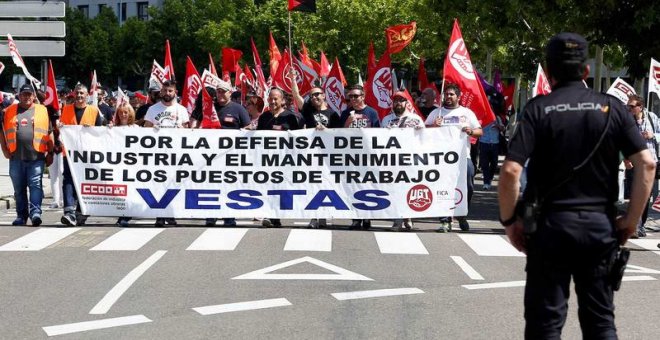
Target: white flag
{"points": [[18, 61], [541, 85], [158, 74], [621, 90], [210, 80], [654, 78], [122, 98], [93, 86]]}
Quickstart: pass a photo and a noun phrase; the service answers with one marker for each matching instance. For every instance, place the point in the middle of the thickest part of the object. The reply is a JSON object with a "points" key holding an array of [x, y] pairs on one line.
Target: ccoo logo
{"points": [[420, 197]]}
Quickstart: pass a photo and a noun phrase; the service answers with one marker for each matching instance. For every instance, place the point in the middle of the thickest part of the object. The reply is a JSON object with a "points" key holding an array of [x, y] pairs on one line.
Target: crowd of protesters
{"points": [[282, 111]]}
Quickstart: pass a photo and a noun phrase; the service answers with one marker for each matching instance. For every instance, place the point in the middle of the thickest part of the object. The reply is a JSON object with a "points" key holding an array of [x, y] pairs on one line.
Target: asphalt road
{"points": [[192, 282]]}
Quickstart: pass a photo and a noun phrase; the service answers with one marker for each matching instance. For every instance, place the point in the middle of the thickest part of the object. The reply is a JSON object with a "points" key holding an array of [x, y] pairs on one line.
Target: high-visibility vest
{"points": [[68, 116], [41, 140]]}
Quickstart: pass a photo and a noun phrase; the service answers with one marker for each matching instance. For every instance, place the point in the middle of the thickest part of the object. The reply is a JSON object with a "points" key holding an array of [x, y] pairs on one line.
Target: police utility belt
{"points": [[530, 211]]}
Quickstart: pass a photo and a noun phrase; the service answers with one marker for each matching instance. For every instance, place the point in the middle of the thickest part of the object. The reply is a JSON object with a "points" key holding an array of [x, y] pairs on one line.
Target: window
{"points": [[142, 7], [121, 9], [101, 6], [84, 9]]}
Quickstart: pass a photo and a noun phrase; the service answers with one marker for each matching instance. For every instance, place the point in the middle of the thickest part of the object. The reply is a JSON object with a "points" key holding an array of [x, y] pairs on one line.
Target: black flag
{"points": [[302, 5]]}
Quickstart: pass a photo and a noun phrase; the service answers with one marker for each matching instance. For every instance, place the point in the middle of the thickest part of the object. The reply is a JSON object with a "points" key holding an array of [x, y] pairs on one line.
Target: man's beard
{"points": [[399, 110], [167, 98]]}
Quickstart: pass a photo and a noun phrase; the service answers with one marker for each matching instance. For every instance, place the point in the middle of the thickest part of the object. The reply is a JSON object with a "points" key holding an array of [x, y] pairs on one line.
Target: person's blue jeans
{"points": [[488, 153], [68, 190], [27, 176]]}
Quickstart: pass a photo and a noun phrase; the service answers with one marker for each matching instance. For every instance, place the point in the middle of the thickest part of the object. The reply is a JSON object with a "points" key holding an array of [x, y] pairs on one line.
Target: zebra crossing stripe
{"points": [[490, 245], [309, 240], [400, 243], [38, 239], [218, 239], [128, 239]]}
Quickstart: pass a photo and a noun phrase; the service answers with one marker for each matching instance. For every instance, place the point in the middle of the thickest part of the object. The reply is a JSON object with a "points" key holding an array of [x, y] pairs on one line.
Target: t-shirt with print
{"points": [[460, 116], [286, 120], [407, 120], [364, 118], [327, 117], [163, 116]]}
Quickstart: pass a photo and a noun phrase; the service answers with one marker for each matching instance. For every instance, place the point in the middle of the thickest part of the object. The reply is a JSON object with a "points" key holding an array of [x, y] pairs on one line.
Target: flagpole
{"points": [[290, 48]]}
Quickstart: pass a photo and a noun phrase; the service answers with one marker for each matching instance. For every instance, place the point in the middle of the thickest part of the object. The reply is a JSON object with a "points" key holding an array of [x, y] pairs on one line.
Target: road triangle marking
{"points": [[339, 273], [640, 270]]}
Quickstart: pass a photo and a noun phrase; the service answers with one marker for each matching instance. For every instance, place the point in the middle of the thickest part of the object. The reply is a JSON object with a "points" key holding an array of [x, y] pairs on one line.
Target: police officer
{"points": [[577, 231]]}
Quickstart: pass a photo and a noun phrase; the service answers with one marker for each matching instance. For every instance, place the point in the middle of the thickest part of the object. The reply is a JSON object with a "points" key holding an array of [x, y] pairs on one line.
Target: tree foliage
{"points": [[512, 32]]}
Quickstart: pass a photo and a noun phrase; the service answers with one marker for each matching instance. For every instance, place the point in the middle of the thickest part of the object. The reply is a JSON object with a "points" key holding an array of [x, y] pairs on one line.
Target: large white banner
{"points": [[334, 173]]}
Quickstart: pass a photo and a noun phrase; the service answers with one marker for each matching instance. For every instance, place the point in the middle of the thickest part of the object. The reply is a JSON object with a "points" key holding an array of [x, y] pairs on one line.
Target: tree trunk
{"points": [[598, 69]]}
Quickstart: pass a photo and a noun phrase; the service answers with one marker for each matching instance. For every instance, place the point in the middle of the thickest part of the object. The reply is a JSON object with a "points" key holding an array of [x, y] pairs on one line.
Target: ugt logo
{"points": [[420, 197]]}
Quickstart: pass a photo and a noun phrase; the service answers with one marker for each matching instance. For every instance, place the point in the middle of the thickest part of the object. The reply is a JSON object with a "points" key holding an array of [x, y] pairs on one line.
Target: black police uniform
{"points": [[576, 233]]}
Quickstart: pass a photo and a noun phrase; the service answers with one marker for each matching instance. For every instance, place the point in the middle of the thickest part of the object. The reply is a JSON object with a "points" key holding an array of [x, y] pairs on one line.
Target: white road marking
{"points": [[242, 306], [218, 239], [38, 239], [365, 294], [96, 324], [122, 286], [400, 243], [632, 269], [309, 240], [128, 239], [648, 244], [639, 278], [471, 272], [339, 273], [508, 284], [490, 245], [505, 284]]}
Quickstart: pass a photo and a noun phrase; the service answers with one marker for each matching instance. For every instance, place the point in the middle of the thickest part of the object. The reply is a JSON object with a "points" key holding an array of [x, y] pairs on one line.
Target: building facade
{"points": [[123, 9]]}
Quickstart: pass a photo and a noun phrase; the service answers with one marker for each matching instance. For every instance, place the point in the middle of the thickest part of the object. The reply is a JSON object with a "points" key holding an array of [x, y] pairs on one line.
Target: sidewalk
{"points": [[7, 189]]}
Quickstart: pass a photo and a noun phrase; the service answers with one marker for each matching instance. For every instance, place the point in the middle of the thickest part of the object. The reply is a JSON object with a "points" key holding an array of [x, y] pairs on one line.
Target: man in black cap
{"points": [[566, 222], [25, 141]]}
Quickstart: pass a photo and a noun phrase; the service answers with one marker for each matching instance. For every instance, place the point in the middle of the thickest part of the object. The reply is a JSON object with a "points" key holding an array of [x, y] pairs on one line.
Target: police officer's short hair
{"points": [[566, 55]]}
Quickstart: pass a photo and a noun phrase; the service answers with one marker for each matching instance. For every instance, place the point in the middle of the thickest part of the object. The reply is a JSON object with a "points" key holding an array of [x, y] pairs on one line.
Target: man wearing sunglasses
{"points": [[316, 115], [358, 115], [648, 125]]}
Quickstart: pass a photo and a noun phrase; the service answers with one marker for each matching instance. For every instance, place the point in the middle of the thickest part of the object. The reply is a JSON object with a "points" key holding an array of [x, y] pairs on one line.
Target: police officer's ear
{"points": [[585, 74]]}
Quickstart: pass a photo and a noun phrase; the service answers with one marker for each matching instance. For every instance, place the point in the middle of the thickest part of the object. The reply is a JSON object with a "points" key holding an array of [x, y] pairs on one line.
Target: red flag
{"points": [[422, 78], [260, 86], [371, 60], [410, 105], [274, 53], [302, 5], [458, 70], [212, 66], [230, 59], [325, 66], [399, 36], [51, 90], [378, 88], [508, 93], [248, 75], [541, 85], [191, 87], [169, 66], [210, 116], [307, 67], [333, 89], [281, 79]]}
